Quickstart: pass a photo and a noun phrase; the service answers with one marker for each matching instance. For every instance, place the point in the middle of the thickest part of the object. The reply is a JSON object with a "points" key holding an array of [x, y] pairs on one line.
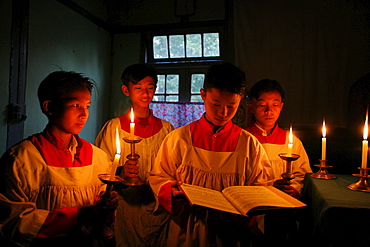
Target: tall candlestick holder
{"points": [[288, 175], [363, 183], [322, 173], [133, 181], [102, 227], [105, 178]]}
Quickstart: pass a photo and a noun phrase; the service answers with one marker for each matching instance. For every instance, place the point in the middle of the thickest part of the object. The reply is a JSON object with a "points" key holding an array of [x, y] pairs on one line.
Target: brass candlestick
{"points": [[363, 183], [288, 175], [323, 173], [101, 228], [105, 178], [134, 181]]}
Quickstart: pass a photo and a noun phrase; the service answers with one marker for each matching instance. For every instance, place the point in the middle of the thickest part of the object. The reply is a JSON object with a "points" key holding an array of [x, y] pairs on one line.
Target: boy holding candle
{"points": [[214, 153], [136, 222], [266, 104], [49, 181]]}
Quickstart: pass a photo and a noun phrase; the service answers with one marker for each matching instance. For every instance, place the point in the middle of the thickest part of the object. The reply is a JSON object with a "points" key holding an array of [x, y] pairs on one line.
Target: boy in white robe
{"points": [[49, 181], [214, 153], [266, 104], [136, 222]]}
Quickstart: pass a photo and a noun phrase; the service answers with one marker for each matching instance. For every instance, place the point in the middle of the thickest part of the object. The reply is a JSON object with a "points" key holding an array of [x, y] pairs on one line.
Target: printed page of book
{"points": [[208, 198], [247, 198]]}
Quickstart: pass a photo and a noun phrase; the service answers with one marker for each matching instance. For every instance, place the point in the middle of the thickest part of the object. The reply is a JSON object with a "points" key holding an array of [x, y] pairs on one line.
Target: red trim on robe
{"points": [[169, 202], [144, 127], [49, 145], [278, 135], [58, 223], [225, 140]]}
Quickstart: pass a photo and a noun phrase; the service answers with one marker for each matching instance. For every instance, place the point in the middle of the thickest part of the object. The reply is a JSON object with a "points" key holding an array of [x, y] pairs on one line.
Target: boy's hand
{"points": [[130, 169], [106, 204], [284, 185], [176, 191]]}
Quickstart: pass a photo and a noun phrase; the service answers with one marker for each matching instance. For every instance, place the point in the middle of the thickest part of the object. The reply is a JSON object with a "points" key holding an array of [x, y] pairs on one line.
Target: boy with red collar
{"points": [[136, 222], [49, 181], [266, 104], [214, 153]]}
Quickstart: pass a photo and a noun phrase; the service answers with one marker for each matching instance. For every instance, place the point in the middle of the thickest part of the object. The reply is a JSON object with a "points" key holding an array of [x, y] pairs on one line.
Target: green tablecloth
{"points": [[336, 215]]}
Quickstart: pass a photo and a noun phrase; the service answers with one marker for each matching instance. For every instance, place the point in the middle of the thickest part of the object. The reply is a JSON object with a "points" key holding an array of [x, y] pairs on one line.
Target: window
{"points": [[181, 60], [186, 46]]}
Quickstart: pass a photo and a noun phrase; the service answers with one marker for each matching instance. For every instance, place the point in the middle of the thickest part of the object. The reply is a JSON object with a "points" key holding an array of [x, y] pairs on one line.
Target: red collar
{"points": [[277, 136], [144, 127], [49, 145]]}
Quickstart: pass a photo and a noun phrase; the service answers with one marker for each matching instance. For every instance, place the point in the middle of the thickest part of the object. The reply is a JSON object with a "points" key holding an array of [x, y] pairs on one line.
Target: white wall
{"points": [[59, 38], [125, 51], [5, 39]]}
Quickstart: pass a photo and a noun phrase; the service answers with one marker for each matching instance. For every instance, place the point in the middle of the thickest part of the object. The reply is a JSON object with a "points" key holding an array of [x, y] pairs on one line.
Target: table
{"points": [[336, 215]]}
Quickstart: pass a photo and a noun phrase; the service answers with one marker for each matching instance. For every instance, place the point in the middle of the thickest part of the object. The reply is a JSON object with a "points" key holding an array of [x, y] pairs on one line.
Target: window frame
{"points": [[185, 66], [149, 46]]}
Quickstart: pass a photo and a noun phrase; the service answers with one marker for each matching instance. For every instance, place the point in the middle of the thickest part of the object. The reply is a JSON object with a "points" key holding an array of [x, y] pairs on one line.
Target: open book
{"points": [[244, 200]]}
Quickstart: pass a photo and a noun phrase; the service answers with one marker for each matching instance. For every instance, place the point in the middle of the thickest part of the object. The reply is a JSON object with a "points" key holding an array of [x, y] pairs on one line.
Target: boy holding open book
{"points": [[214, 153]]}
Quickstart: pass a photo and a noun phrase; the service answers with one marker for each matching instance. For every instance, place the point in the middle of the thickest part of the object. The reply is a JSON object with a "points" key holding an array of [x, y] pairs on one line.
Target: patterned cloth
{"points": [[178, 114]]}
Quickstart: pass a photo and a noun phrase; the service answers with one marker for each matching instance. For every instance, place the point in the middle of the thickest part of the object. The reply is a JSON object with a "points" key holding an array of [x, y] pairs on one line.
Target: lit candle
{"points": [[365, 146], [323, 142], [117, 157], [290, 145], [132, 125]]}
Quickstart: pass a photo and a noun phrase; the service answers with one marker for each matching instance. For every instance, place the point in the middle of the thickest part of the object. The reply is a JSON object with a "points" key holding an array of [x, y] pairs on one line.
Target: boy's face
{"points": [[267, 108], [141, 93], [220, 106], [70, 116]]}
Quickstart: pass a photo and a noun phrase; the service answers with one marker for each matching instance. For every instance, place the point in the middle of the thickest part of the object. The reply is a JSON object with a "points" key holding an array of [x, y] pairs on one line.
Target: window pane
{"points": [[158, 98], [193, 45], [172, 84], [196, 82], [172, 98], [160, 84], [196, 98], [211, 45], [177, 46], [160, 47]]}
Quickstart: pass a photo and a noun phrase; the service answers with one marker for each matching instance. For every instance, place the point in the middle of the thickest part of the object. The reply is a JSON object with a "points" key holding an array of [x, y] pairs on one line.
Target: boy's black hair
{"points": [[226, 77], [59, 83], [136, 72], [266, 85]]}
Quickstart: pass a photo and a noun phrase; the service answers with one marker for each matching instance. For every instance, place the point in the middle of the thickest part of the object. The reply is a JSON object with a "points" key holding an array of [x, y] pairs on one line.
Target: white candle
{"points": [[365, 146], [117, 157], [132, 125], [290, 145], [323, 142]]}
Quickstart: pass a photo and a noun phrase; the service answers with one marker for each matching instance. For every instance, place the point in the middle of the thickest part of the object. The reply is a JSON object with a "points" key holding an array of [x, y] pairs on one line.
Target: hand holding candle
{"points": [[116, 157], [132, 125], [290, 145], [323, 142], [365, 146]]}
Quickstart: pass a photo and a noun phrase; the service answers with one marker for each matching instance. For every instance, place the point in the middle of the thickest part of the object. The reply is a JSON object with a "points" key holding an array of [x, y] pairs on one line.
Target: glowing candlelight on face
{"points": [[132, 125], [290, 145], [365, 146], [117, 157], [323, 142]]}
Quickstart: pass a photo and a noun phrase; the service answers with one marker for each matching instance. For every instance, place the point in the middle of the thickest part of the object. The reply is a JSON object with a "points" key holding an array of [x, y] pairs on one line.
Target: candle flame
{"points": [[118, 143], [323, 129], [366, 128], [290, 135], [132, 115]]}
